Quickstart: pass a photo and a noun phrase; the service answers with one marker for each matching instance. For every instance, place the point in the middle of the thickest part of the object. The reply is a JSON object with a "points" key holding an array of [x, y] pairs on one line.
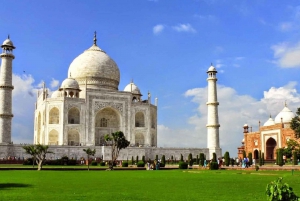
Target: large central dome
{"points": [[95, 68]]}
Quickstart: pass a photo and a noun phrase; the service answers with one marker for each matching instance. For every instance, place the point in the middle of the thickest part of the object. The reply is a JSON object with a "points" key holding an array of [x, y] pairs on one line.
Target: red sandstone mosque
{"points": [[273, 134]]}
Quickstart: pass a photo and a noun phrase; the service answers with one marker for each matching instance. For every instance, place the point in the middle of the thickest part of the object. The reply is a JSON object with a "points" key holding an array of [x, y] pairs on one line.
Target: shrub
{"points": [[181, 157], [72, 162], [263, 158], [94, 163], [227, 158], [201, 159], [214, 159], [132, 160], [183, 165], [250, 158], [143, 159], [190, 159], [163, 161], [29, 161], [125, 164], [277, 191], [260, 158], [102, 163], [280, 157], [137, 159], [162, 164], [140, 164], [256, 167], [295, 162], [214, 166], [197, 160]]}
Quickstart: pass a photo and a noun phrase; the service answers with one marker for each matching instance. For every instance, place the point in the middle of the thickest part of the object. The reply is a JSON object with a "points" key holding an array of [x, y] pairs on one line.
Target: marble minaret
{"points": [[6, 91], [213, 125]]}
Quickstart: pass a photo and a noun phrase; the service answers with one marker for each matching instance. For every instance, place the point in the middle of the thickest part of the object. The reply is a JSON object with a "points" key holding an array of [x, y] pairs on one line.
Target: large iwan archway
{"points": [[270, 148], [107, 121]]}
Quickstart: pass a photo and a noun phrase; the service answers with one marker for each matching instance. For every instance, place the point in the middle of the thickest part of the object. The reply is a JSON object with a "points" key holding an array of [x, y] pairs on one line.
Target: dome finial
{"points": [[95, 38], [8, 36], [211, 64], [285, 103]]}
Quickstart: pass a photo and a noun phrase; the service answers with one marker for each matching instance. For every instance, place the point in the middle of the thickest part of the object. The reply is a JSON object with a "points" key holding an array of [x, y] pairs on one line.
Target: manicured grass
{"points": [[141, 185]]}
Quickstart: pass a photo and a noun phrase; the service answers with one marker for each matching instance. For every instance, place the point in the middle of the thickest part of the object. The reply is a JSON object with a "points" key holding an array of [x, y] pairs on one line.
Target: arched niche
{"points": [[73, 138], [74, 116], [54, 116], [270, 148], [139, 139], [53, 137], [139, 119]]}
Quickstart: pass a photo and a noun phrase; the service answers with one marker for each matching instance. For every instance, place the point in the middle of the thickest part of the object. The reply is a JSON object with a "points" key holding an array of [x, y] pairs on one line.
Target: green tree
{"points": [[181, 157], [163, 160], [89, 153], [227, 158], [295, 124], [118, 142], [280, 157], [260, 158], [143, 159], [38, 153], [214, 159], [250, 158], [190, 159], [137, 159], [295, 161], [201, 159], [132, 160], [244, 154]]}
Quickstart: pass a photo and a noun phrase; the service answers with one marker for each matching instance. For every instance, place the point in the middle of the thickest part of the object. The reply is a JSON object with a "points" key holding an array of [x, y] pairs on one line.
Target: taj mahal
{"points": [[88, 104]]}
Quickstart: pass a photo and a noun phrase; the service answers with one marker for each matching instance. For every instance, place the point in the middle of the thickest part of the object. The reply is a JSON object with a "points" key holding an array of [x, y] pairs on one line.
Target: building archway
{"points": [[139, 119], [74, 116], [54, 116], [107, 121], [139, 139], [255, 154], [73, 138], [53, 137], [270, 148]]}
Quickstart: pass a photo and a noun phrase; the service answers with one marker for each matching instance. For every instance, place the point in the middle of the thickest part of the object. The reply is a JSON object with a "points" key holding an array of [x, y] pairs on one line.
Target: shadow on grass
{"points": [[13, 185]]}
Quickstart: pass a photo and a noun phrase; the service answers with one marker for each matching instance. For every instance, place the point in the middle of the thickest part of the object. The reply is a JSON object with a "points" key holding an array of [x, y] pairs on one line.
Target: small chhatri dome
{"points": [[131, 87], [286, 114], [69, 83], [270, 122], [211, 69], [95, 68], [8, 43], [56, 94]]}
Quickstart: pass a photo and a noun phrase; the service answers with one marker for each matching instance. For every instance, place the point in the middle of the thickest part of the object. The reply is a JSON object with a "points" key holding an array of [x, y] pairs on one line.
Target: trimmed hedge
{"points": [[125, 164], [140, 164], [183, 165], [94, 163], [102, 163], [214, 166]]}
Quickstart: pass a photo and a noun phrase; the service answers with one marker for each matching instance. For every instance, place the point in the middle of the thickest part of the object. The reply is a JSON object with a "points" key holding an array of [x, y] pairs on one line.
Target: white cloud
{"points": [[286, 55], [234, 111], [184, 28], [205, 17], [54, 83], [158, 29]]}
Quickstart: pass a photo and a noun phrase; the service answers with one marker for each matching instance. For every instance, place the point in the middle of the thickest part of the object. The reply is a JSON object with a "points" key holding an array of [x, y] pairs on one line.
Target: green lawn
{"points": [[140, 185]]}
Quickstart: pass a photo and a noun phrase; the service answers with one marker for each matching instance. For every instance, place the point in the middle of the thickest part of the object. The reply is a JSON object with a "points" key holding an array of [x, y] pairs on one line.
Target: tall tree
{"points": [[295, 124], [38, 153], [89, 153], [118, 142]]}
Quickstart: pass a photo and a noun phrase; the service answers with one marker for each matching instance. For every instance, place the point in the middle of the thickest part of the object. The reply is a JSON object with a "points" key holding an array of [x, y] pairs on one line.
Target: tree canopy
{"points": [[295, 124], [118, 142], [38, 153], [89, 153]]}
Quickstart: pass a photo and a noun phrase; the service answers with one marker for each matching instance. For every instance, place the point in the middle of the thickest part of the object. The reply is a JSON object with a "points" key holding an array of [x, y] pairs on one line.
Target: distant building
{"points": [[273, 134]]}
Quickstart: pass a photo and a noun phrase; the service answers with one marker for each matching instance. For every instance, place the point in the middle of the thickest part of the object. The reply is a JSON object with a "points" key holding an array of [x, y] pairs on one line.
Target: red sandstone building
{"points": [[272, 135]]}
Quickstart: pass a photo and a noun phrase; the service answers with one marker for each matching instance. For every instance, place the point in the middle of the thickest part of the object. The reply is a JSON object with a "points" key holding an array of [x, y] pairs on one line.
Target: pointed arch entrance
{"points": [[270, 148], [255, 154], [107, 121]]}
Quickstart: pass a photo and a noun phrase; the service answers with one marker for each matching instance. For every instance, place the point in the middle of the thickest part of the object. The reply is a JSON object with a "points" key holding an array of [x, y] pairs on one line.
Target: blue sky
{"points": [[165, 48]]}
